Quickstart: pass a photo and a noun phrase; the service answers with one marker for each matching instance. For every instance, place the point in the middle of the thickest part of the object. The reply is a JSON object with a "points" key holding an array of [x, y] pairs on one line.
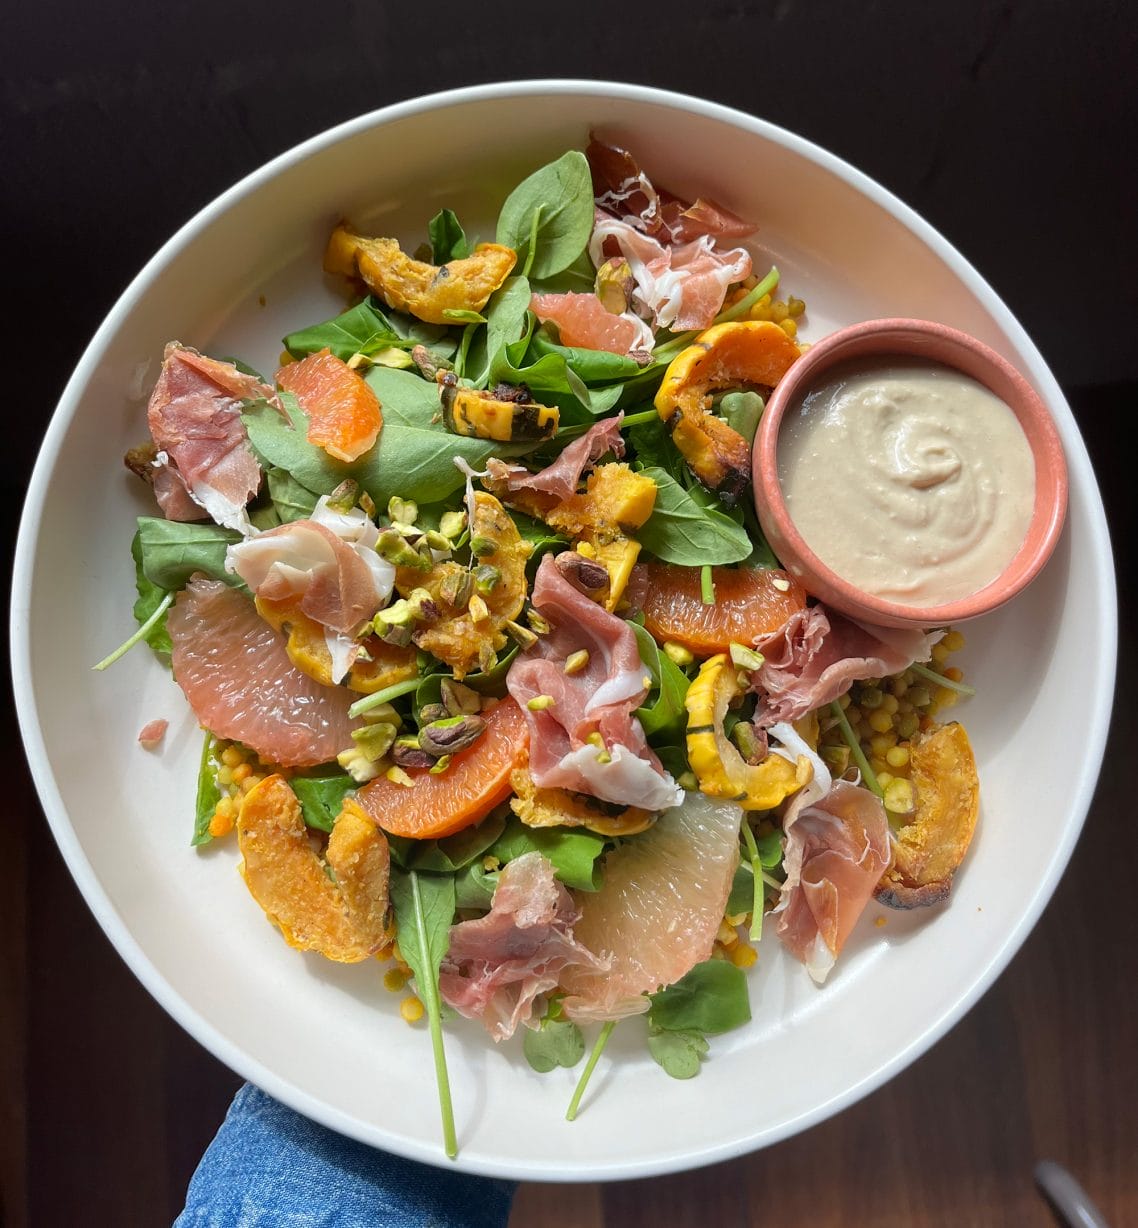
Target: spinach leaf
{"points": [[291, 500], [580, 278], [742, 896], [561, 195], [361, 329], [681, 530], [424, 909], [208, 794], [557, 1042], [674, 759], [322, 798], [592, 366], [573, 851], [679, 1053], [654, 448], [711, 998], [171, 551], [665, 714], [448, 239], [150, 597]]}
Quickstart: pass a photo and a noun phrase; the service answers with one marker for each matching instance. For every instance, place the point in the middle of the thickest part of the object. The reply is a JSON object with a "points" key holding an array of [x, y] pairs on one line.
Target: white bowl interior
{"points": [[328, 1039]]}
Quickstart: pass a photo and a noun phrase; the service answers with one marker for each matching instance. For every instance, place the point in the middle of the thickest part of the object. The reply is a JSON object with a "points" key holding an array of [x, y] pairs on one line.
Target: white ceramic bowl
{"points": [[328, 1039]]}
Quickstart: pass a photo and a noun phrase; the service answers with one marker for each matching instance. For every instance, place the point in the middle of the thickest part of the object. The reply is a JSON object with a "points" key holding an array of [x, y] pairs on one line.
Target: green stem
{"points": [[706, 585], [941, 680], [140, 634], [430, 993], [759, 885], [571, 432], [382, 697], [862, 762], [586, 1074], [750, 298]]}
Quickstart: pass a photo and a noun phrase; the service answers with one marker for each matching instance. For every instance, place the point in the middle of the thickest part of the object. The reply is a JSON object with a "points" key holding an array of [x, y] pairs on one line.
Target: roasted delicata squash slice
{"points": [[736, 354], [308, 650], [427, 291], [505, 414], [474, 603], [538, 807], [720, 768], [343, 917], [928, 850]]}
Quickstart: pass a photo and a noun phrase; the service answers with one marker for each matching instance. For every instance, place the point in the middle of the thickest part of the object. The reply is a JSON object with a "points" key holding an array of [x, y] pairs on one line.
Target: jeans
{"points": [[269, 1167]]}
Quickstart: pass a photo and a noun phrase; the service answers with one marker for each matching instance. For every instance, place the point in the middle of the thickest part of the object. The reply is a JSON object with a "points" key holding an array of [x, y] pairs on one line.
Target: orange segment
{"points": [[344, 415], [475, 781], [749, 602]]}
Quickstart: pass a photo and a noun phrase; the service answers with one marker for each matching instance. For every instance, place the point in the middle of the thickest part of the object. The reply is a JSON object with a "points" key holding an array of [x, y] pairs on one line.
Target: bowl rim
{"points": [[901, 338], [1103, 647]]}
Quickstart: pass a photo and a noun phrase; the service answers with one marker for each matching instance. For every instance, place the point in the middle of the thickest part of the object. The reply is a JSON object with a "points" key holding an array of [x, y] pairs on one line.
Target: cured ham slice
{"points": [[658, 909], [817, 653], [561, 478], [194, 416], [587, 739], [681, 287], [497, 965], [837, 848]]}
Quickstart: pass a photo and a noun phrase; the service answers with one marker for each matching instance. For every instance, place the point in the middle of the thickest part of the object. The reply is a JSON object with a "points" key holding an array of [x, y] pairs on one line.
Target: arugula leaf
{"points": [[679, 1053], [666, 714], [450, 854], [573, 851], [711, 998], [681, 530], [424, 909], [291, 500], [448, 239], [150, 597], [171, 551], [474, 887], [561, 194], [322, 797], [208, 794], [557, 1042]]}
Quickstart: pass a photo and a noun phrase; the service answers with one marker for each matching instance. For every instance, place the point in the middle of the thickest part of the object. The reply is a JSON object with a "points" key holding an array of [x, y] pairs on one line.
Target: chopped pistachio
{"points": [[522, 636], [441, 765], [688, 781], [455, 733], [358, 360], [402, 511], [383, 714], [399, 777], [367, 503], [678, 654], [614, 285], [374, 740], [407, 753], [539, 703], [358, 766], [482, 547], [536, 622], [457, 587], [422, 605], [487, 656], [743, 657], [459, 700], [433, 712], [343, 498], [486, 578], [391, 546], [575, 662], [478, 609], [745, 738], [391, 356], [438, 541], [595, 739], [451, 525]]}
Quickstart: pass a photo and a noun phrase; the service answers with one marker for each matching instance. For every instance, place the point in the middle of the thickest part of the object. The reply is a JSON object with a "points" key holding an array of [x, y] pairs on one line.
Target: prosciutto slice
{"points": [[682, 287], [194, 416], [561, 478], [588, 740], [817, 653], [498, 964], [837, 848]]}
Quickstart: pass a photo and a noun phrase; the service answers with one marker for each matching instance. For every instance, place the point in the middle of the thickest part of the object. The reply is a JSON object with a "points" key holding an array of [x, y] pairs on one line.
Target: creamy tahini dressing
{"points": [[912, 481]]}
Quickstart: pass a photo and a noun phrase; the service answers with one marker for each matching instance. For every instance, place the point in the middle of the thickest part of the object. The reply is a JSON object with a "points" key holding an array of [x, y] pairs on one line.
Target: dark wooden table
{"points": [[1005, 125]]}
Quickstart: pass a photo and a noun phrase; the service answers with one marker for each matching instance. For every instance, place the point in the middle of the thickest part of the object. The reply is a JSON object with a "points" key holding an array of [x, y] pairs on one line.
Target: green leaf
{"points": [[653, 447], [452, 853], [208, 794], [592, 366], [580, 278], [359, 330], [291, 500], [474, 887], [742, 411], [742, 895], [171, 551], [424, 907], [711, 998], [679, 1053], [150, 597], [681, 530], [448, 239], [561, 193], [322, 798], [556, 1043], [572, 851], [664, 711], [770, 849]]}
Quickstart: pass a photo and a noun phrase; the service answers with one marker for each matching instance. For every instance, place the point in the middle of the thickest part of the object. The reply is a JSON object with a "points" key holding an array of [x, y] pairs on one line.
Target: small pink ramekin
{"points": [[886, 339]]}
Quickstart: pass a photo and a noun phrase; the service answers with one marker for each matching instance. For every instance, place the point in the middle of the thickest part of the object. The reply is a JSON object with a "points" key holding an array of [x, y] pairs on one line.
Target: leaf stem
{"points": [[706, 585], [931, 674], [382, 697], [750, 298], [430, 992], [140, 634], [862, 762], [760, 896], [586, 1074], [571, 432]]}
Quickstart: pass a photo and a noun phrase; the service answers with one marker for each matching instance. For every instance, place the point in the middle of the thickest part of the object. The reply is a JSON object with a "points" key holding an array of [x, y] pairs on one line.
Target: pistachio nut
{"points": [[449, 736]]}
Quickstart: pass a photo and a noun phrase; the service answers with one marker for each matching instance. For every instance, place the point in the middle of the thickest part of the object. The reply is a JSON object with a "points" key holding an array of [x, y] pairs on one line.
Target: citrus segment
{"points": [[344, 415]]}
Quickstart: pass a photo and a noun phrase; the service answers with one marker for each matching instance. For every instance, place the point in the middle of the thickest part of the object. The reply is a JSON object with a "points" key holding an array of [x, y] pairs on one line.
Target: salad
{"points": [[501, 684]]}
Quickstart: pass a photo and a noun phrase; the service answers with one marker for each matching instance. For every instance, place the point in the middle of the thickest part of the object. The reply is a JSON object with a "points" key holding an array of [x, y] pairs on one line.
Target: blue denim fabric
{"points": [[269, 1167]]}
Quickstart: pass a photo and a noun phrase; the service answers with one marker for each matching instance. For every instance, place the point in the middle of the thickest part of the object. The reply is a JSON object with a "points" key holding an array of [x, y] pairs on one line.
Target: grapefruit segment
{"points": [[583, 321], [344, 415], [474, 782], [237, 676]]}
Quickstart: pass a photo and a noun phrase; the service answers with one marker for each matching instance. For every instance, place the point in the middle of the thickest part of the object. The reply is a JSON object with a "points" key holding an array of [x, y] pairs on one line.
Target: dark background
{"points": [[1010, 126]]}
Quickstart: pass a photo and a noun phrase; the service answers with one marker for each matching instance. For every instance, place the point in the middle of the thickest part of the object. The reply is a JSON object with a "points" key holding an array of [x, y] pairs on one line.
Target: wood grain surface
{"points": [[1002, 124]]}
